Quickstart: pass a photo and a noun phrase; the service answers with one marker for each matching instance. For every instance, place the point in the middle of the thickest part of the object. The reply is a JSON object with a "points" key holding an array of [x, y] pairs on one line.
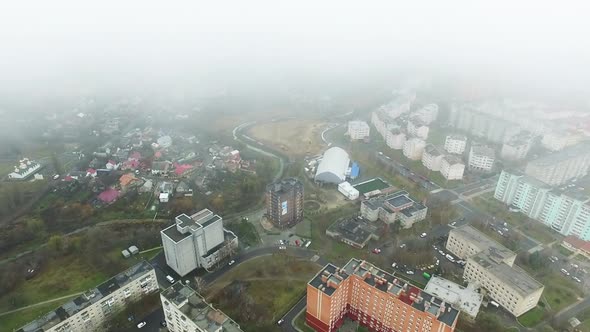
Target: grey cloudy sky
{"points": [[45, 41]]}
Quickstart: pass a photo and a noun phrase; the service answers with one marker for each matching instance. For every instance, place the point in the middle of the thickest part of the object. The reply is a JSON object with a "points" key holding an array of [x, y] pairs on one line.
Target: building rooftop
{"points": [[330, 277], [196, 309], [355, 229], [467, 299], [432, 150], [518, 279], [399, 200], [92, 296], [285, 185], [181, 229], [453, 160], [485, 244], [482, 150], [458, 137]]}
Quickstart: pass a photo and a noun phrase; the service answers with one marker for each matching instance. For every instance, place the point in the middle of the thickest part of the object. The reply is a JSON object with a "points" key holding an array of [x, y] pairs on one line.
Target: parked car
{"points": [[170, 279], [141, 324], [376, 251], [403, 245], [423, 235], [409, 272], [577, 279], [282, 248], [564, 271], [450, 258], [393, 265], [231, 262], [280, 322]]}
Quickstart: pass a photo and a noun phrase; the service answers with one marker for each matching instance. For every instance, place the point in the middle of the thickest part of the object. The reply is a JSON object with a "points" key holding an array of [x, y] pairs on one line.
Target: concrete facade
{"points": [[491, 266], [455, 143], [196, 241], [481, 158], [358, 130], [413, 148], [452, 168], [397, 206], [560, 167], [432, 158], [284, 202], [88, 312]]}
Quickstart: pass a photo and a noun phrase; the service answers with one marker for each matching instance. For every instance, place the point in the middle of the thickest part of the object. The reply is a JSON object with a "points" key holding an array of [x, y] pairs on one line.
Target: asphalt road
{"points": [[407, 173]]}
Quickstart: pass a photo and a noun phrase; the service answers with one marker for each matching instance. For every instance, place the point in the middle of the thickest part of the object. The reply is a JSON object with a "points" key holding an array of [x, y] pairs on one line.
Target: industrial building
{"points": [[558, 168], [481, 158], [432, 158], [413, 148], [491, 266], [186, 310], [196, 241], [467, 299], [358, 130], [346, 189], [89, 311], [566, 211], [455, 143], [333, 167], [376, 299], [452, 168], [392, 207], [284, 202]]}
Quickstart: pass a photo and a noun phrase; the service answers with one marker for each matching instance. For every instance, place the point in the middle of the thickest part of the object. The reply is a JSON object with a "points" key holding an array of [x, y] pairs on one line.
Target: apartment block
{"points": [[452, 168], [491, 266], [395, 139], [432, 158], [455, 143], [196, 241], [284, 202], [89, 311], [558, 168], [482, 121], [566, 210], [413, 148], [517, 147], [358, 130], [393, 207], [426, 114], [376, 299], [417, 128], [559, 140], [481, 158], [186, 310]]}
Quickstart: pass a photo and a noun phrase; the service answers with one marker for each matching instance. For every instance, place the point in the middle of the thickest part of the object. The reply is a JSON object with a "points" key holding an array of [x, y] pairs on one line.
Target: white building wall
{"points": [[413, 148]]}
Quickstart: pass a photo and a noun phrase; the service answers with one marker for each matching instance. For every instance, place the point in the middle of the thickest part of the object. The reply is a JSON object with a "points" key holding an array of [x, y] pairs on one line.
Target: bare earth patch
{"points": [[294, 137]]}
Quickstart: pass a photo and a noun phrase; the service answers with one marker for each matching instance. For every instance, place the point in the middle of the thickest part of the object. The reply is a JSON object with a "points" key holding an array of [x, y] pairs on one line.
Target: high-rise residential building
{"points": [[284, 202], [452, 168], [565, 211], [481, 122], [197, 241], [559, 140], [481, 158], [358, 130], [396, 206], [455, 143], [413, 148], [491, 266], [186, 310], [90, 311], [517, 147], [376, 299], [417, 128], [395, 139], [426, 114], [432, 158], [558, 168]]}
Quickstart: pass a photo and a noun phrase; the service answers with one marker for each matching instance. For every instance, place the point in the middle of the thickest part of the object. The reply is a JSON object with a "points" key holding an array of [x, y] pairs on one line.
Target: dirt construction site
{"points": [[294, 137]]}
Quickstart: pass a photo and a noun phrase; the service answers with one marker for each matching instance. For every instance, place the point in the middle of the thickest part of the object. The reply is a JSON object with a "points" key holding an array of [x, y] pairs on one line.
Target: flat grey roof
{"points": [[173, 233], [467, 299], [485, 244], [518, 279]]}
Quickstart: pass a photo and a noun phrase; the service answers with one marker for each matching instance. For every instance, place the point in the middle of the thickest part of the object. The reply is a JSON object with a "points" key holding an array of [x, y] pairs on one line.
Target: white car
{"points": [[403, 245], [423, 235], [564, 271], [141, 324], [394, 265], [409, 272], [577, 279], [231, 262], [282, 248]]}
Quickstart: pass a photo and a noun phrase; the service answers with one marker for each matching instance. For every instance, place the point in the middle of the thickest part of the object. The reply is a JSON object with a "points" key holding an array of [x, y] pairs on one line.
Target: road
{"points": [[404, 171]]}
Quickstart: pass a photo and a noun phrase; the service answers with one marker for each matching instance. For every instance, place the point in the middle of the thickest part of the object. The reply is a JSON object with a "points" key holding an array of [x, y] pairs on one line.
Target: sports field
{"points": [[370, 185]]}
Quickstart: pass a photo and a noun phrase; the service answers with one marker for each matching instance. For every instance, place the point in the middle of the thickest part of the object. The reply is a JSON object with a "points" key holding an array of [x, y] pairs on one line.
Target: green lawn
{"points": [[532, 317], [273, 284], [559, 291], [11, 322], [538, 231], [245, 231], [58, 278], [5, 168], [300, 323], [564, 251]]}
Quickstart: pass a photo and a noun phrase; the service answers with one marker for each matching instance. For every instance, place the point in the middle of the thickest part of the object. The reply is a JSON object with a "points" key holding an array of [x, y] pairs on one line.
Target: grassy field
{"points": [[9, 323], [533, 317], [564, 251], [294, 137], [5, 168], [538, 231], [559, 292], [58, 278], [245, 231], [300, 323], [274, 283]]}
